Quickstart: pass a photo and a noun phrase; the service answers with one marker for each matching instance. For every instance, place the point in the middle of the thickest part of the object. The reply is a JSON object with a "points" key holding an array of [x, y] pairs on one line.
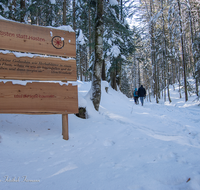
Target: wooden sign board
{"points": [[38, 97], [36, 39], [36, 68]]}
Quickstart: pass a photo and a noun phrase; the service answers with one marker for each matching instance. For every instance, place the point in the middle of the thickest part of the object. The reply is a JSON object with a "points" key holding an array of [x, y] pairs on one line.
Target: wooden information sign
{"points": [[36, 39], [37, 68], [38, 97]]}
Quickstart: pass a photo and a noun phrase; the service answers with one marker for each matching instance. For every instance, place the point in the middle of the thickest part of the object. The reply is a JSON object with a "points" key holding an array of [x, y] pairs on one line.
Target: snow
{"points": [[81, 38], [113, 2], [122, 147], [31, 55], [53, 1], [2, 18], [115, 51], [109, 42], [51, 33], [63, 27], [123, 57], [24, 82]]}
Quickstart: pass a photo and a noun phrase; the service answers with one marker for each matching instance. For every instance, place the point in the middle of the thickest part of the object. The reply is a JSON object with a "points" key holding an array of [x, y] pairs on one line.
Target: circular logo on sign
{"points": [[57, 42]]}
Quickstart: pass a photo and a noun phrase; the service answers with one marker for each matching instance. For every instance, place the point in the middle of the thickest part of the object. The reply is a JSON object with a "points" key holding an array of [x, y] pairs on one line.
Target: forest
{"points": [[127, 43]]}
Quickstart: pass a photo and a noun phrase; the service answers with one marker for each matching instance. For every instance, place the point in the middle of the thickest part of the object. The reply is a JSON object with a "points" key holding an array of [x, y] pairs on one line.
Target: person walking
{"points": [[141, 94], [135, 96]]}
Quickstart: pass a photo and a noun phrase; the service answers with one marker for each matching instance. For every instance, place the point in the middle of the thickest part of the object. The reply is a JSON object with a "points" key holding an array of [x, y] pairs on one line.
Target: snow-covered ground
{"points": [[122, 147]]}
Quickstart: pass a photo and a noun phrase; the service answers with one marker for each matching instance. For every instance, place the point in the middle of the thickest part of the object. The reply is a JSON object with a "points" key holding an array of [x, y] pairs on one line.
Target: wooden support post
{"points": [[65, 131]]}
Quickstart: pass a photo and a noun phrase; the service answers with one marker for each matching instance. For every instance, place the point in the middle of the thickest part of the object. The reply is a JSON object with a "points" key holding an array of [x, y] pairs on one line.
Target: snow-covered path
{"points": [[121, 147]]}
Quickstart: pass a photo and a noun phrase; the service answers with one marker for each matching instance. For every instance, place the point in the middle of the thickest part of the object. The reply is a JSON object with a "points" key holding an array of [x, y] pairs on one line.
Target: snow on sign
{"points": [[37, 68], [35, 39]]}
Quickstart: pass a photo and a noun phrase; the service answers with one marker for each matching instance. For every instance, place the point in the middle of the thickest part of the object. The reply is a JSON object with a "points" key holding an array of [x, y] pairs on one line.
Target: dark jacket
{"points": [[141, 91]]}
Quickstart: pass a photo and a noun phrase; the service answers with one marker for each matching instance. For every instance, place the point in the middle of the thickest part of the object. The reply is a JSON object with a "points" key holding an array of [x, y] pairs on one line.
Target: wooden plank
{"points": [[65, 129], [36, 68], [38, 97], [36, 39]]}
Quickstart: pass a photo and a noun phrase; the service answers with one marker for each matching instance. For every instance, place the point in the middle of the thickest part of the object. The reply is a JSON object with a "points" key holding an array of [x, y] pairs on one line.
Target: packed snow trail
{"points": [[157, 146]]}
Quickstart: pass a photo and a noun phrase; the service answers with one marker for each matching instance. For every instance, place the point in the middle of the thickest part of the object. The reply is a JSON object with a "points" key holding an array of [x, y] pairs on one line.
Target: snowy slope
{"points": [[121, 147]]}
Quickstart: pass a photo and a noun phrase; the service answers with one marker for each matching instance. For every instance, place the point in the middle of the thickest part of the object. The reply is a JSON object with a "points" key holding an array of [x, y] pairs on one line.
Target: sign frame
{"points": [[37, 39], [40, 40], [38, 97], [37, 68]]}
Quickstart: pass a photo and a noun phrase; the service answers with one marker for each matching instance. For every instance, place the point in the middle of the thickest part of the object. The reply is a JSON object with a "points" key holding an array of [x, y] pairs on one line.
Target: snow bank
{"points": [[123, 146]]}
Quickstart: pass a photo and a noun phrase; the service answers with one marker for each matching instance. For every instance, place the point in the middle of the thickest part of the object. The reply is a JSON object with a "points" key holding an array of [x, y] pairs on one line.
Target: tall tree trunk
{"points": [[64, 12], [154, 64], [10, 15], [89, 28], [103, 71], [195, 31], [192, 41], [168, 92], [118, 73], [12, 9], [164, 55], [179, 74], [196, 78], [113, 79], [172, 59], [166, 64], [74, 15], [164, 77], [139, 78], [121, 10], [135, 75], [80, 62], [91, 37], [183, 51], [23, 12], [96, 78], [133, 84]]}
